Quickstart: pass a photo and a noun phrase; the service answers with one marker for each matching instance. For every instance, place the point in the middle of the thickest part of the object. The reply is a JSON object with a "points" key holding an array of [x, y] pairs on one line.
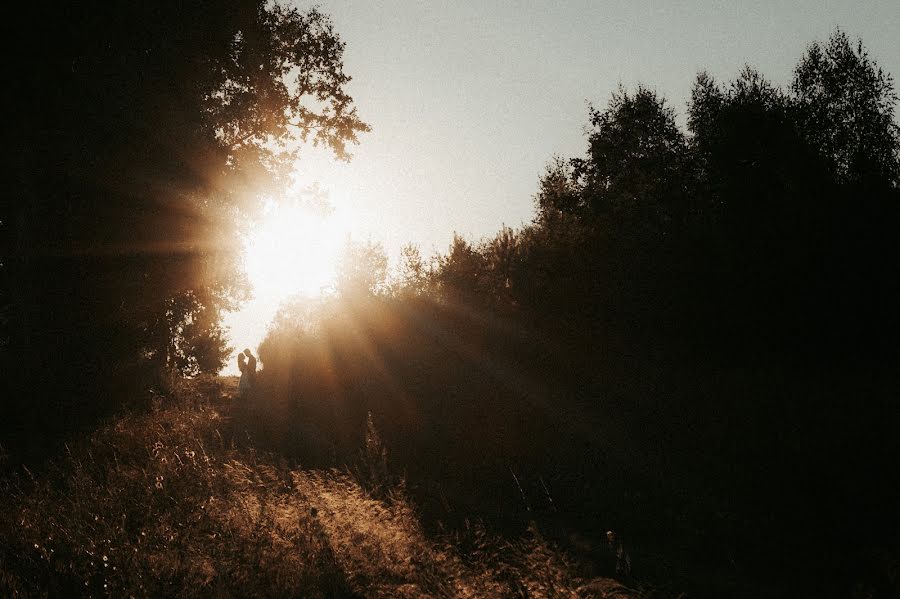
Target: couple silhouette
{"points": [[247, 366]]}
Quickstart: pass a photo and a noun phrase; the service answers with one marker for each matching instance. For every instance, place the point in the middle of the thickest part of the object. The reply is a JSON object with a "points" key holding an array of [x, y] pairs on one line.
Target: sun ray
{"points": [[293, 251]]}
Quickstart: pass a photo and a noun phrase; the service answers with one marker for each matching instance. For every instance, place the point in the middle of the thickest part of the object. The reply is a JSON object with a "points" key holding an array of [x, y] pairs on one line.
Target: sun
{"points": [[293, 251]]}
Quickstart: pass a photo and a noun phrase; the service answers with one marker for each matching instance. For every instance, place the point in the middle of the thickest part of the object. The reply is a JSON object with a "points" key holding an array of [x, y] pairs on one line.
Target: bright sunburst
{"points": [[293, 250]]}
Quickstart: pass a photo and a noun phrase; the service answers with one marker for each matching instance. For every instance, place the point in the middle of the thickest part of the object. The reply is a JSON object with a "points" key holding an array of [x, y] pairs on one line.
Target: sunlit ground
{"points": [[292, 251]]}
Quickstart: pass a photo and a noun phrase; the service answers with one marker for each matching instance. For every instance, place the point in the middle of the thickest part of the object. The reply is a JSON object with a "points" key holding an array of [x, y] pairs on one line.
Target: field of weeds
{"points": [[172, 503]]}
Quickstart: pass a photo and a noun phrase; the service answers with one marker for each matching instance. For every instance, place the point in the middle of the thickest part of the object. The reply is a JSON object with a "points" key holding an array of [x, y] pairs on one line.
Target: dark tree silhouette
{"points": [[846, 110], [151, 131], [635, 168], [460, 272]]}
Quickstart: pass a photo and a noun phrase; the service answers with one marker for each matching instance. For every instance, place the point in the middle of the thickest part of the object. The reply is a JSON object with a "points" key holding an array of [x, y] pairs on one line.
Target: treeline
{"points": [[694, 339]]}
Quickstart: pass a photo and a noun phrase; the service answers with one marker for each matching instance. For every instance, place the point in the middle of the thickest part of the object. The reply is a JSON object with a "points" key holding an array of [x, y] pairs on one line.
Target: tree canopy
{"points": [[152, 132], [846, 106]]}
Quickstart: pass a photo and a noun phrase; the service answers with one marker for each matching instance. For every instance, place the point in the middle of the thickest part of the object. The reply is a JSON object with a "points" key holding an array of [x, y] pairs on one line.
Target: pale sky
{"points": [[468, 101]]}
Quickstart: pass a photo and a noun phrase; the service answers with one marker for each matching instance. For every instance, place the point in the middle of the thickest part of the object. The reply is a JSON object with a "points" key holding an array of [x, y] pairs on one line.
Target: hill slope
{"points": [[176, 502]]}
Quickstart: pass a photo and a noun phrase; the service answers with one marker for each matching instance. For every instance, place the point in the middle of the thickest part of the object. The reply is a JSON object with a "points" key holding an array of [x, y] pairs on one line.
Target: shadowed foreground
{"points": [[172, 503]]}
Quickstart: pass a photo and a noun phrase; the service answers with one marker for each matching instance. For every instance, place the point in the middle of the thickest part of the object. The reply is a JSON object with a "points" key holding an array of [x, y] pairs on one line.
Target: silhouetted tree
{"points": [[362, 269], [635, 168], [846, 110], [559, 191], [461, 271], [151, 133], [746, 145], [501, 263], [413, 273], [192, 331]]}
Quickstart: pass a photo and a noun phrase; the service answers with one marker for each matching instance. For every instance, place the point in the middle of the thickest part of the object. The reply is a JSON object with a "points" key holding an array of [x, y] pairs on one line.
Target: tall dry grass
{"points": [[171, 503]]}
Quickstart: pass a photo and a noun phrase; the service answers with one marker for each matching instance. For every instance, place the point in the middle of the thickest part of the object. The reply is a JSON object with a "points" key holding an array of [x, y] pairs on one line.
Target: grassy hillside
{"points": [[178, 502]]}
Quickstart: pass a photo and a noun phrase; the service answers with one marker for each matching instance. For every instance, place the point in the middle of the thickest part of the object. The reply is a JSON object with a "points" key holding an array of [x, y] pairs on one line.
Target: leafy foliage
{"points": [[362, 269], [635, 168], [153, 132], [846, 104], [413, 272]]}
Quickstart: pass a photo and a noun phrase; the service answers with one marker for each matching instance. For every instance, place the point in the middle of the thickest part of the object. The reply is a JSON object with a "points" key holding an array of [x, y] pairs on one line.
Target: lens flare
{"points": [[293, 250]]}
